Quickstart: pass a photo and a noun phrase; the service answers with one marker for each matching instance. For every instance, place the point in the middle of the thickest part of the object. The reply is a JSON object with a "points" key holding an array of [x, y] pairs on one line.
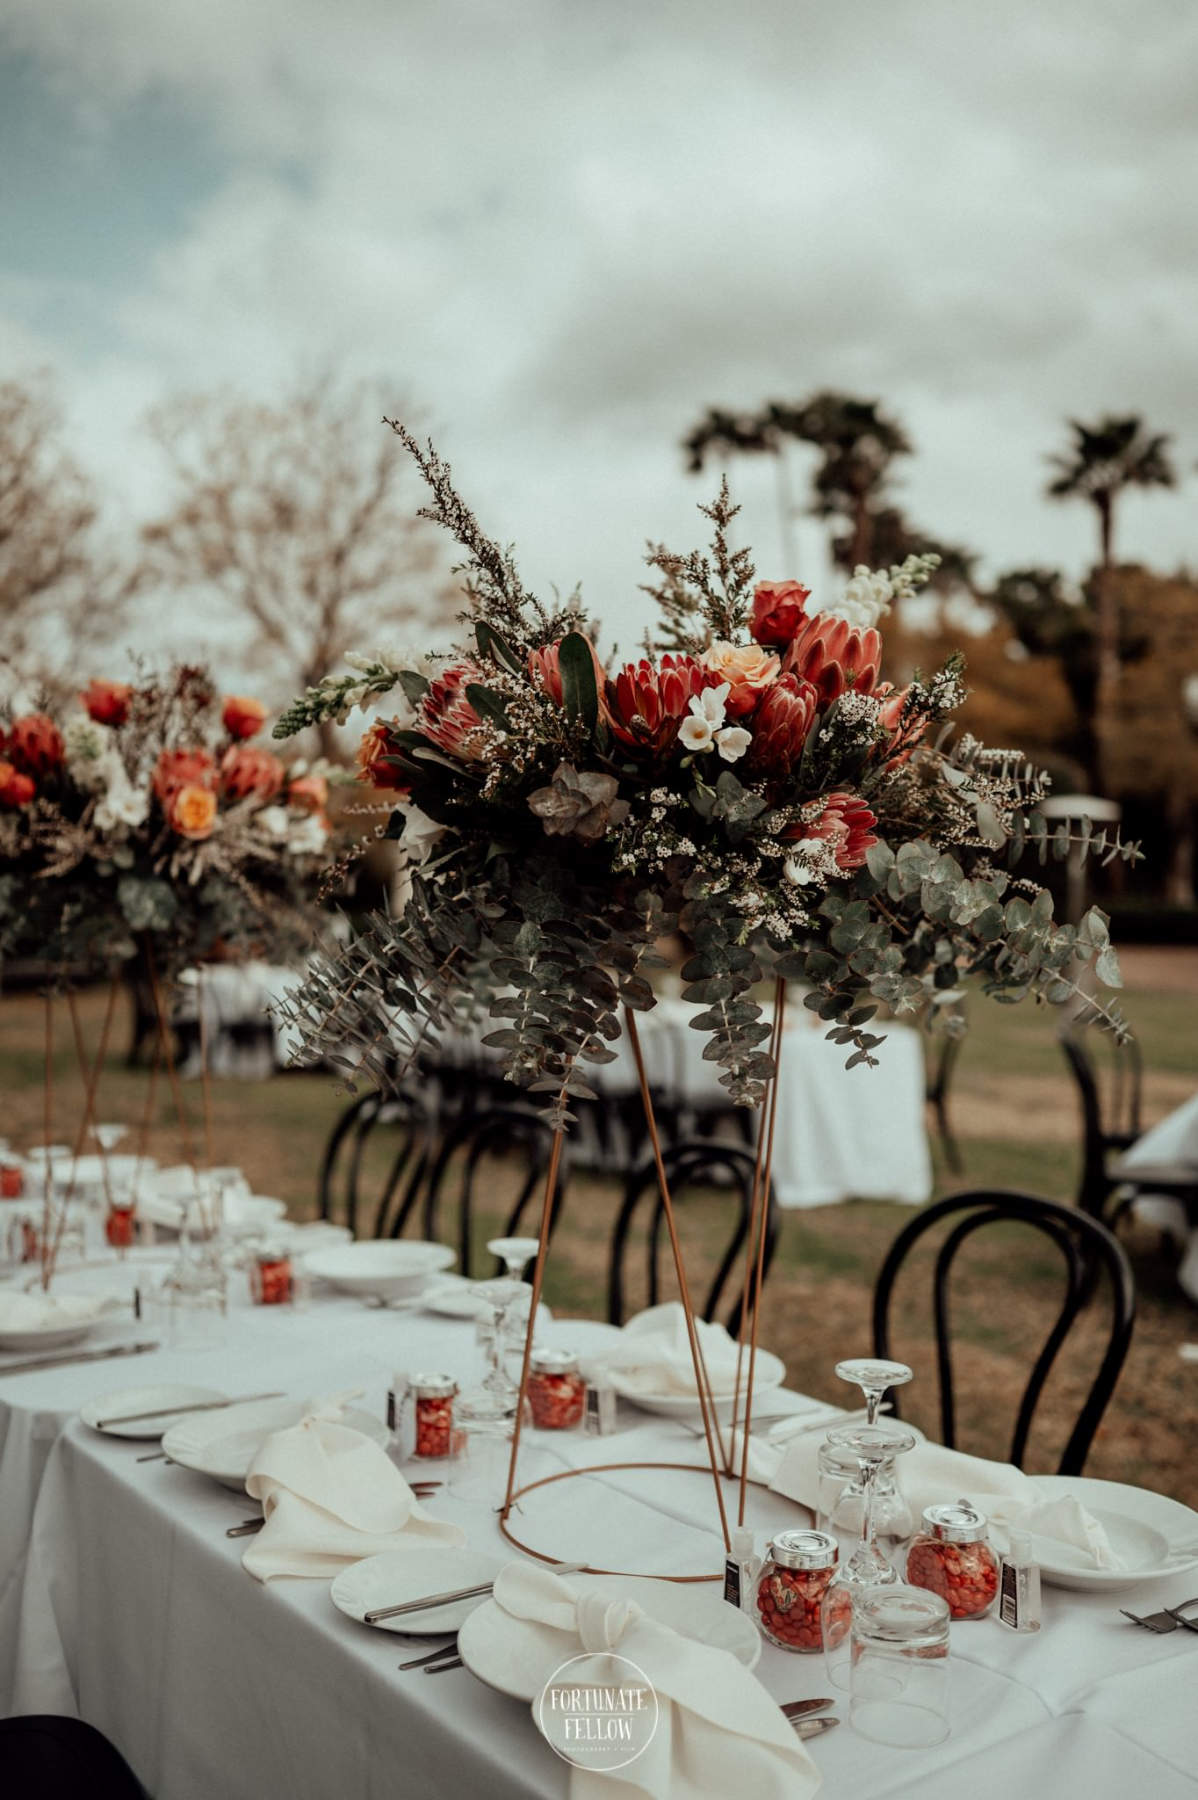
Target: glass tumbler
{"points": [[898, 1677]]}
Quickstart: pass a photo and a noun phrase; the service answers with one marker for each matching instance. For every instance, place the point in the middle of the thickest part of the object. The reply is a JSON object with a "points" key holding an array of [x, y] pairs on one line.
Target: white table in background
{"points": [[135, 1612]]}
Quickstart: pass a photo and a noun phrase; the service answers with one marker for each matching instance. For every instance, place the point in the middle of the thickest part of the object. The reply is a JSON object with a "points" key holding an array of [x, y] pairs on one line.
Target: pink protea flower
{"points": [[446, 717], [781, 725], [646, 705], [34, 744], [544, 668], [835, 656], [846, 825]]}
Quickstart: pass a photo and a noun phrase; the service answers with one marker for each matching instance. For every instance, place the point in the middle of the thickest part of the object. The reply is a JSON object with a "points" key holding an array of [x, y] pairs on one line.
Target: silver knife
{"points": [[809, 1728], [75, 1356]]}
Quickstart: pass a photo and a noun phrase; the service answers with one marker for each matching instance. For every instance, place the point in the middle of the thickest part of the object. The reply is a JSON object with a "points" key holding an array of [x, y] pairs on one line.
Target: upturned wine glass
{"points": [[873, 1446], [873, 1375]]}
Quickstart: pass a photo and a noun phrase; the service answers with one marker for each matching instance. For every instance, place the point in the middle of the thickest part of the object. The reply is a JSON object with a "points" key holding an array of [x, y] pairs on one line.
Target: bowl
{"points": [[388, 1269]]}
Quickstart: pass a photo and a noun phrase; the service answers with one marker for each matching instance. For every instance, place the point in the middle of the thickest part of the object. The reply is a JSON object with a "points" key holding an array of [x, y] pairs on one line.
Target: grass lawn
{"points": [[1015, 1114]]}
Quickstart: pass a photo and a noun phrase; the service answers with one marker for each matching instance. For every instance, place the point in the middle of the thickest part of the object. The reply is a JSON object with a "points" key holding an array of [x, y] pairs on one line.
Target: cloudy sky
{"points": [[563, 230]]}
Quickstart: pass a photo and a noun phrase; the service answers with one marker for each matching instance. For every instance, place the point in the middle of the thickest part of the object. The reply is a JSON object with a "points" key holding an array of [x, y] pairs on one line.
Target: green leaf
{"points": [[487, 704], [990, 828], [492, 644], [1107, 968], [414, 685], [879, 860], [579, 689]]}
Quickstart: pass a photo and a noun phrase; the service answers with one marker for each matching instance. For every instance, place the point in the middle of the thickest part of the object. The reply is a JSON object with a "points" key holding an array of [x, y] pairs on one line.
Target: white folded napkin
{"points": [[331, 1497], [718, 1731], [930, 1475], [653, 1354], [37, 1311]]}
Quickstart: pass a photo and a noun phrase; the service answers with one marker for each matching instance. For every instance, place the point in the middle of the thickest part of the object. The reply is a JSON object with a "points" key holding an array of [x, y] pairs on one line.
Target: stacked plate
{"points": [[384, 1269]]}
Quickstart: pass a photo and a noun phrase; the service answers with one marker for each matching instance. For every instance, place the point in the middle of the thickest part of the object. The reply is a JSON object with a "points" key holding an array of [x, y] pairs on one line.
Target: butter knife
{"points": [[67, 1357], [810, 1728]]}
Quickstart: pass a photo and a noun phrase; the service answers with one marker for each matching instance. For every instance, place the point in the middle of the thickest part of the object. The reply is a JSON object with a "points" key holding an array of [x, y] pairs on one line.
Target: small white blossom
{"points": [[866, 598], [123, 804], [699, 732], [306, 836], [732, 742], [275, 822]]}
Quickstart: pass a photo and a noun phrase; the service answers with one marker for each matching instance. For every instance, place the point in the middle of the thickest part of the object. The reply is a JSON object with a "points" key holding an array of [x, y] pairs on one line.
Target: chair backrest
{"points": [[1085, 1246], [398, 1123], [698, 1162], [1110, 1110], [465, 1172]]}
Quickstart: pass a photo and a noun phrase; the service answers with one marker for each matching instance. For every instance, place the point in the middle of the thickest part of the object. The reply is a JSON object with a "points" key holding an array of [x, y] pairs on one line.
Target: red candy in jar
{"points": [[557, 1391], [433, 1397], [791, 1586], [270, 1278], [12, 1181], [952, 1557], [118, 1227]]}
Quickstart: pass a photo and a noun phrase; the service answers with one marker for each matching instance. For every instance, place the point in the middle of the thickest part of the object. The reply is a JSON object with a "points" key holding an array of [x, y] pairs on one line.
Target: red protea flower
{"points": [[846, 825], [242, 716], [177, 769], [16, 788], [544, 668], [378, 744], [835, 656], [779, 609], [646, 705], [246, 769], [34, 744], [781, 725], [107, 702], [446, 717]]}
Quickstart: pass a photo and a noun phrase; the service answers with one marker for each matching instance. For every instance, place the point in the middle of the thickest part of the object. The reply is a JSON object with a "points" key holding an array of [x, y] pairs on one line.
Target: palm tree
{"points": [[857, 443], [1102, 461], [747, 434]]}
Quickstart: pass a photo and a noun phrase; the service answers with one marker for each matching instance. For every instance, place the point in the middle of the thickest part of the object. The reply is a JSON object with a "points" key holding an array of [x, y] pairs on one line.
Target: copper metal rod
{"points": [[767, 1177], [555, 1157]]}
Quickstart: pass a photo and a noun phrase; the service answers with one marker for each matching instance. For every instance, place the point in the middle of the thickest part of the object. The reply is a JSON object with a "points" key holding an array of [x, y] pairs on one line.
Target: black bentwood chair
{"points": [[1110, 1110], [1085, 1246], [697, 1163], [500, 1154], [401, 1123], [44, 1757]]}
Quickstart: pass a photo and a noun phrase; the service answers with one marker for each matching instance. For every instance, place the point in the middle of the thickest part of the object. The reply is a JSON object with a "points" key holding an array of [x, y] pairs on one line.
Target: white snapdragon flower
{"points": [[87, 752], [866, 598]]}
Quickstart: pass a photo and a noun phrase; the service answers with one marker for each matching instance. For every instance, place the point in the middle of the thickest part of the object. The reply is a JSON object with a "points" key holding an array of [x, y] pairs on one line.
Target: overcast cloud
{"points": [[562, 231]]}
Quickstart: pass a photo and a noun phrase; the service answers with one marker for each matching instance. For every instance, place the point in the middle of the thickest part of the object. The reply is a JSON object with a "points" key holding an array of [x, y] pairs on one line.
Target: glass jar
{"points": [[12, 1179], [556, 1390], [791, 1586], [119, 1226], [270, 1277], [432, 1400], [952, 1557]]}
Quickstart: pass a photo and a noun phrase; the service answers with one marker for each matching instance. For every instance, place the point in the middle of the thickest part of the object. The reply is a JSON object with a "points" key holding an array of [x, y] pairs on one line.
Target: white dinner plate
{"points": [[1151, 1535], [222, 1445], [451, 1297], [244, 1215], [140, 1400], [515, 1663], [769, 1372], [47, 1321], [88, 1171], [388, 1268], [399, 1575]]}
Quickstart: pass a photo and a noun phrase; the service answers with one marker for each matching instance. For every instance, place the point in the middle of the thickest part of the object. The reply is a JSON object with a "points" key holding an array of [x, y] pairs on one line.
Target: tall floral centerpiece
{"points": [[752, 782], [142, 831]]}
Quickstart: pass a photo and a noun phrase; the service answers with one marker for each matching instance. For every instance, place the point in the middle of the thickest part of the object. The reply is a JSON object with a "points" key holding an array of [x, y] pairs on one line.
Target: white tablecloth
{"points": [[1174, 1139], [131, 1608]]}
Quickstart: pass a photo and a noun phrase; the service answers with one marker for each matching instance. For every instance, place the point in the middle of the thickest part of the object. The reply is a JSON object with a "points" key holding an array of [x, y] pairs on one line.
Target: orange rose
{"points": [[176, 769], [107, 702], [242, 716], [246, 769], [192, 812], [747, 667], [373, 767], [35, 744], [16, 789], [309, 792]]}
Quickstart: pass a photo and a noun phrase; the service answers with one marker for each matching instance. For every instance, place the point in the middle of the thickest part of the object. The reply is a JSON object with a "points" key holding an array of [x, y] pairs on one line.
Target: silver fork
{"points": [[1168, 1619]]}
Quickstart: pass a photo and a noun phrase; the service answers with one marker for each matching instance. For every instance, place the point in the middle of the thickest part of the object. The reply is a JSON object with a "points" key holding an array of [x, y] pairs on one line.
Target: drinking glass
{"points": [[873, 1375], [872, 1445], [898, 1680]]}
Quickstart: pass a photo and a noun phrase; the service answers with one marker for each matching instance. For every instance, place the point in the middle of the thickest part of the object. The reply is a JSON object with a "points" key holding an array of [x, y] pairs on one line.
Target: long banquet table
{"points": [[123, 1601]]}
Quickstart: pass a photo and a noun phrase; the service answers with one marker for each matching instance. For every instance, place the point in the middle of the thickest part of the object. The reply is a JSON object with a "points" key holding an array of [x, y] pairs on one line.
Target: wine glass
{"points": [[496, 1399], [873, 1375], [109, 1136], [873, 1446], [515, 1253]]}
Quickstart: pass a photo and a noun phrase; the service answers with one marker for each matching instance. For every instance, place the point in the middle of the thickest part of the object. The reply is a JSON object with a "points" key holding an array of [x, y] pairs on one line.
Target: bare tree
{"points": [[58, 591], [294, 512]]}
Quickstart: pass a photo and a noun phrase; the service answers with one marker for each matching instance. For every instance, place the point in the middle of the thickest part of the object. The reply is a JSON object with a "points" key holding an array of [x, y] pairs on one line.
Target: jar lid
{"points": [[955, 1523], [434, 1387], [554, 1362], [804, 1550]]}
